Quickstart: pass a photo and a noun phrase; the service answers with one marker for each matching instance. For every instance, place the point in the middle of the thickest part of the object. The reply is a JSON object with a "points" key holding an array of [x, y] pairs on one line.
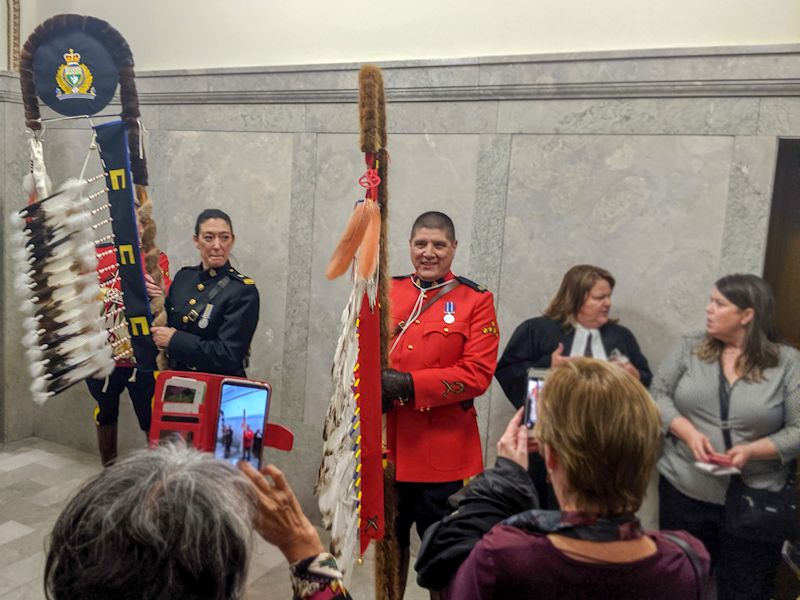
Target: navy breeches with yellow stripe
{"points": [[106, 392]]}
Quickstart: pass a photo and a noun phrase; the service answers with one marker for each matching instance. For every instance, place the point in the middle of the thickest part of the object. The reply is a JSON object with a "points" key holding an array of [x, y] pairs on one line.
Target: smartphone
{"points": [[619, 357], [243, 411], [183, 395], [534, 388], [720, 459]]}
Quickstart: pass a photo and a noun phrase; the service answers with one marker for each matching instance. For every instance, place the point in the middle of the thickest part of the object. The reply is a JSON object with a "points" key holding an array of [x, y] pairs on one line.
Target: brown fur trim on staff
{"points": [[381, 108], [370, 85], [382, 161]]}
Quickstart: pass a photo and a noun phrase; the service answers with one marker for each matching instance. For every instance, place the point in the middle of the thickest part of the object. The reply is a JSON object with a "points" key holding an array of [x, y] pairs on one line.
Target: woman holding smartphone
{"points": [[598, 429], [738, 358]]}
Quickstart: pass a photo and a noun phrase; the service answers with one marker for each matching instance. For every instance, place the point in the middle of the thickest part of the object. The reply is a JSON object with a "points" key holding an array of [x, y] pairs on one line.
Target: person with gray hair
{"points": [[177, 523]]}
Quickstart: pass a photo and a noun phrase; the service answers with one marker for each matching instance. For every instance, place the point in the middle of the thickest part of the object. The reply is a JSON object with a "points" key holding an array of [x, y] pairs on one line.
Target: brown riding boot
{"points": [[107, 443]]}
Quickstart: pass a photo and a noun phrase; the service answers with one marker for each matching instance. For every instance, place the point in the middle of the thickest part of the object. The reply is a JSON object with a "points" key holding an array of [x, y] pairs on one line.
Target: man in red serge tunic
{"points": [[443, 355]]}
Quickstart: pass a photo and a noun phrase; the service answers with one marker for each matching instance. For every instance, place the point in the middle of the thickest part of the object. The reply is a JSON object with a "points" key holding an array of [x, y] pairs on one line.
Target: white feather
{"points": [[337, 494], [39, 179], [41, 398], [73, 303], [37, 368]]}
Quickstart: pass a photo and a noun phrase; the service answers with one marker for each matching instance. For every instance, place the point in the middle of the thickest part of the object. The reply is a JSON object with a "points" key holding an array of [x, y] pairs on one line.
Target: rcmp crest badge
{"points": [[74, 79]]}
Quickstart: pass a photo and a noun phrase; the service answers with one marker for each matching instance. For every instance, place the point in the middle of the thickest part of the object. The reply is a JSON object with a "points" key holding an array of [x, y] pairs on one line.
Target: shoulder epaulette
{"points": [[469, 283], [401, 276], [236, 276]]}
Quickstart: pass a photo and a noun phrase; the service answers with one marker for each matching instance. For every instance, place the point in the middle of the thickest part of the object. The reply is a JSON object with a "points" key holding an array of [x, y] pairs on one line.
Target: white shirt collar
{"points": [[579, 342]]}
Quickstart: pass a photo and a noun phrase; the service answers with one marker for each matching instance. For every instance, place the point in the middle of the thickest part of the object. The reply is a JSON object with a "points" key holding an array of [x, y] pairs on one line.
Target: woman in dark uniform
{"points": [[212, 309]]}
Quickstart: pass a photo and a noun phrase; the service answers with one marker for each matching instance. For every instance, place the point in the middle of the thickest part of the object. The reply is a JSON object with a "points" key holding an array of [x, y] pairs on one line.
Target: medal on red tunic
{"points": [[449, 313]]}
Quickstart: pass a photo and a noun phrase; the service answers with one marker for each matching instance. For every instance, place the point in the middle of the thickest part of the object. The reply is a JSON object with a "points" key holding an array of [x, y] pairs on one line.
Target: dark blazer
{"points": [[536, 339], [215, 312]]}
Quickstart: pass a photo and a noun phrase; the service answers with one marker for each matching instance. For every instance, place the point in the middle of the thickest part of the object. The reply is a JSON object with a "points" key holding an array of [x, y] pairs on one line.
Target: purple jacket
{"points": [[510, 562]]}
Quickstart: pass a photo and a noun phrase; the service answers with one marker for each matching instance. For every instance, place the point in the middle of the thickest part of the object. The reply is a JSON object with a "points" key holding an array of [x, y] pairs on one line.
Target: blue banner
{"points": [[112, 140]]}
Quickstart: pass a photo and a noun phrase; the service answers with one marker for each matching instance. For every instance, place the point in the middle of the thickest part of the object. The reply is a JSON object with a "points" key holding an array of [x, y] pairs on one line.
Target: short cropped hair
{"points": [[211, 213], [575, 286], [434, 220], [605, 430], [167, 523]]}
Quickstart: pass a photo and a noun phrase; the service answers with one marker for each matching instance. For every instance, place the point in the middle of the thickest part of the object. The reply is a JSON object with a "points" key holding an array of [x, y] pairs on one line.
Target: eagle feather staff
{"points": [[350, 484]]}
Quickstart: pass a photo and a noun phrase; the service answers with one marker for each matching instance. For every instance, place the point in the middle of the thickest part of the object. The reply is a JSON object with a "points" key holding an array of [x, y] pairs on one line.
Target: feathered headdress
{"points": [[73, 64]]}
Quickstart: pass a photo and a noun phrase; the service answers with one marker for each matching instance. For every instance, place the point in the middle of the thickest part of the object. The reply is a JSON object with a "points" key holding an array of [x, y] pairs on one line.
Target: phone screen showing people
{"points": [[531, 402], [243, 409]]}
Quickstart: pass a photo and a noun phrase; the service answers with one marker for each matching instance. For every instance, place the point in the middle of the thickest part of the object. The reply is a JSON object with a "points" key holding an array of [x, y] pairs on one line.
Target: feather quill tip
{"points": [[351, 239]]}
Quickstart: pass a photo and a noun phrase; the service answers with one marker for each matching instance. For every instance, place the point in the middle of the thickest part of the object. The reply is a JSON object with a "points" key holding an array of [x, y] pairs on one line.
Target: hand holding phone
{"points": [[618, 357], [531, 399]]}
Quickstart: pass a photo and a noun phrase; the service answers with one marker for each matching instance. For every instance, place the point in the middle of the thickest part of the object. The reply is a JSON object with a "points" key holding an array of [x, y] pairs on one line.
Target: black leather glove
{"points": [[395, 385]]}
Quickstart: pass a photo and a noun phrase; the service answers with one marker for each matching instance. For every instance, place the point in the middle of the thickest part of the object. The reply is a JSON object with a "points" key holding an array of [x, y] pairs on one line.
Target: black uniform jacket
{"points": [[491, 497], [536, 339], [215, 312]]}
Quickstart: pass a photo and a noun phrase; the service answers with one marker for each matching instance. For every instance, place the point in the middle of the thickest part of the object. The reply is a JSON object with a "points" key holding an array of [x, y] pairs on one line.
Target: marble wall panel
{"points": [[407, 117], [749, 202], [298, 285], [335, 118], [433, 172], [487, 232], [3, 236], [285, 79], [779, 117], [664, 116], [18, 407], [277, 118], [161, 81], [436, 74], [648, 208], [344, 77], [696, 64]]}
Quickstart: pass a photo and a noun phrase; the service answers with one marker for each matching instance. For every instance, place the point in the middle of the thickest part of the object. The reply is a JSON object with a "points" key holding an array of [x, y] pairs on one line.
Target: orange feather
{"points": [[368, 250], [348, 244]]}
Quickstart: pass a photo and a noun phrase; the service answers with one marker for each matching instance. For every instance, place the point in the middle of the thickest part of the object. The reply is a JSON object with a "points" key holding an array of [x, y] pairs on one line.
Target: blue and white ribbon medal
{"points": [[449, 313]]}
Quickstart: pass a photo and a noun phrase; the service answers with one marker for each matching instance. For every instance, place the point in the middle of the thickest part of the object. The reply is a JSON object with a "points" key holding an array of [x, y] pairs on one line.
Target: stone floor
{"points": [[37, 477]]}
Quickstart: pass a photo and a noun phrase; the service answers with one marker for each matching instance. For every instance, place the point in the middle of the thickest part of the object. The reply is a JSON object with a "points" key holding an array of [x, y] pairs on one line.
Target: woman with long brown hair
{"points": [[739, 364]]}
